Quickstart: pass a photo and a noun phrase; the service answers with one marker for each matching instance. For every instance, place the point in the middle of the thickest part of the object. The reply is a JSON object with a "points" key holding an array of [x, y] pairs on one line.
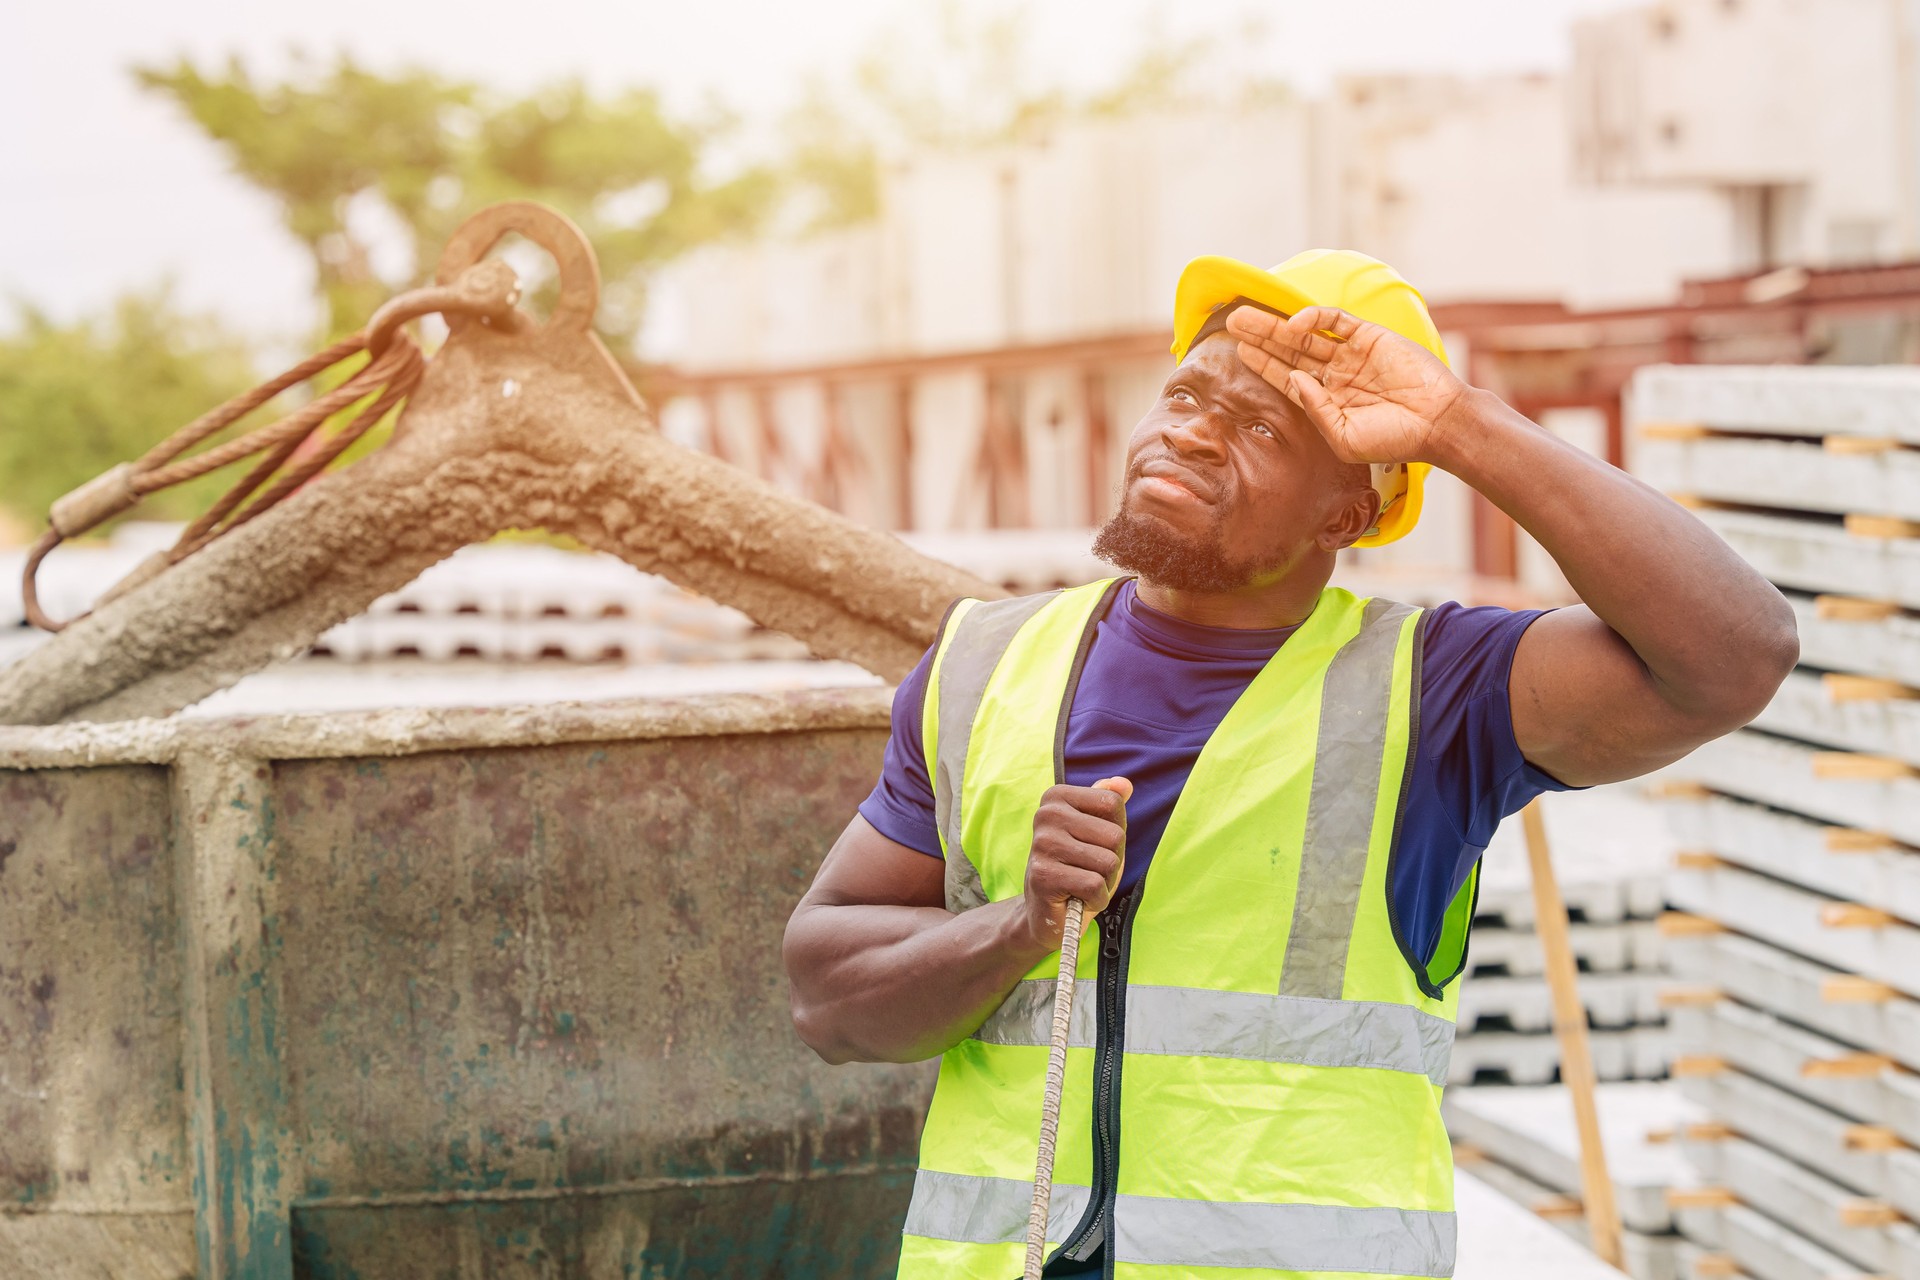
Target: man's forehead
{"points": [[1216, 358]]}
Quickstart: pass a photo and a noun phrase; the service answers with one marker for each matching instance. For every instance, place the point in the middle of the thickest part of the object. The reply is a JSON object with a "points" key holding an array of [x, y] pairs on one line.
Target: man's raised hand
{"points": [[1079, 849], [1376, 396]]}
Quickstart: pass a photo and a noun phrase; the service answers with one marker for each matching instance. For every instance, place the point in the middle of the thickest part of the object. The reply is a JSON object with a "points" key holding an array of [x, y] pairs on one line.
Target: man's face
{"points": [[1227, 484]]}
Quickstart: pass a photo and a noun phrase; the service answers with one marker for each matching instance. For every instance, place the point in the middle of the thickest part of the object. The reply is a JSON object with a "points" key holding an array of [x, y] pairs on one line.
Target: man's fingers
{"points": [[1122, 787], [1097, 858], [1088, 829], [1318, 333], [1276, 369], [1341, 325], [1306, 391], [1092, 885], [1101, 802], [1272, 357], [1253, 324]]}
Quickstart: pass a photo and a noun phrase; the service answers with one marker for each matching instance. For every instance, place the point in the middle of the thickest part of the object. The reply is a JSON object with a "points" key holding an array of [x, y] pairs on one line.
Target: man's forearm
{"points": [[1689, 607], [899, 984]]}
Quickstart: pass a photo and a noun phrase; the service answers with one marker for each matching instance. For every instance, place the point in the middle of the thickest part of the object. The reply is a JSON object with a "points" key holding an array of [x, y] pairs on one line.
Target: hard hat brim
{"points": [[1209, 283]]}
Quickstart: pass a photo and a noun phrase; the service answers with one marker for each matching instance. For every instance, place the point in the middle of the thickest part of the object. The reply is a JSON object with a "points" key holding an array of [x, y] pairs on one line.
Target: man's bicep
{"points": [[1584, 708], [866, 868], [901, 805]]}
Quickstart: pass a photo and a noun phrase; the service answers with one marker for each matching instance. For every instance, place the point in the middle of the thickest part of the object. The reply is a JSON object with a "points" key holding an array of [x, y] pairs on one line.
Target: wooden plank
{"points": [[1700, 1198], [1863, 1212], [1684, 997], [1697, 1064], [1853, 609], [1681, 924], [1570, 1028], [1853, 840], [1859, 767], [1862, 525], [1850, 688], [1851, 988], [1854, 915], [1850, 1066], [1872, 1137], [1555, 1206], [1697, 860], [1672, 431], [1855, 445]]}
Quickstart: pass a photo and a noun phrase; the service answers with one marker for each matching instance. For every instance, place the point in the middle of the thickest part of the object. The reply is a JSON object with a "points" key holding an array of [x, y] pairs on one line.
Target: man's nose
{"points": [[1200, 436]]}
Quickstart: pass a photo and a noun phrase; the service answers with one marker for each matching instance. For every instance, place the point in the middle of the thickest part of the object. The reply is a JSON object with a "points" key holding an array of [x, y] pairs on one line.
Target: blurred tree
{"points": [[363, 163], [77, 398]]}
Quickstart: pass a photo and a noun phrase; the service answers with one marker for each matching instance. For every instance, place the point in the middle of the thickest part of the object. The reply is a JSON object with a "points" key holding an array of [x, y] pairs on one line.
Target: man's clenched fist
{"points": [[1079, 847]]}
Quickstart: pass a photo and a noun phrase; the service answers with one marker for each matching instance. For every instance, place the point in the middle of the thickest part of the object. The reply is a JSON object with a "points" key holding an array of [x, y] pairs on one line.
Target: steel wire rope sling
{"points": [[394, 364]]}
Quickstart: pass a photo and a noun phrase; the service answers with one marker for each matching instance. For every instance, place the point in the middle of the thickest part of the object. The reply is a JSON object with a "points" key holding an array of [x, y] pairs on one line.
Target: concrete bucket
{"points": [[473, 993]]}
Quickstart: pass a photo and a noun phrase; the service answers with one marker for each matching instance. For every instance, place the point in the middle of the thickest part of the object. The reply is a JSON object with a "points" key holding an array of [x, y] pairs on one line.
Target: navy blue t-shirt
{"points": [[1155, 687]]}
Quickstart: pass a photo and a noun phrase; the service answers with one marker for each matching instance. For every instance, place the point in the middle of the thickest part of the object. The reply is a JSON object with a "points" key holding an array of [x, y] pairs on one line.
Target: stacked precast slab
{"points": [[1796, 1023], [1514, 1128], [1609, 849]]}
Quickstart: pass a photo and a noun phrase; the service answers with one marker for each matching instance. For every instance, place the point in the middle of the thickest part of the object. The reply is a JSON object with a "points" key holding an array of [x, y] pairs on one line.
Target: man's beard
{"points": [[1151, 548]]}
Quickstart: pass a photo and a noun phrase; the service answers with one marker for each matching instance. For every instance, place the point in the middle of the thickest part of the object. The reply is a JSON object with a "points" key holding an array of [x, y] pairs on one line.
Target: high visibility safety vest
{"points": [[1256, 1059]]}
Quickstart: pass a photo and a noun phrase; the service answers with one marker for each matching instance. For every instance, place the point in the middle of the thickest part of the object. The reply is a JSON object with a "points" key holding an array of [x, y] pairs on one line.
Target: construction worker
{"points": [[1280, 908]]}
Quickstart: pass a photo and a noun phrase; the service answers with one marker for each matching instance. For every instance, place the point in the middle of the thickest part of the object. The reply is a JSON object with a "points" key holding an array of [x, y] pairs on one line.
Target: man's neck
{"points": [[1266, 603]]}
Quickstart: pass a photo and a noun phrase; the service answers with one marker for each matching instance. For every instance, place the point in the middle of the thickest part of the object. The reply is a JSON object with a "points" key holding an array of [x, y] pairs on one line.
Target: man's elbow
{"points": [[818, 1035], [1756, 668], [810, 1022]]}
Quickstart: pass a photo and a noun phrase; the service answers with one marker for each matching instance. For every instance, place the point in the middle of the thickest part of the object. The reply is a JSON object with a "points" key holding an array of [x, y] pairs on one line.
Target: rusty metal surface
{"points": [[48, 1246], [507, 1010], [89, 993], [520, 426]]}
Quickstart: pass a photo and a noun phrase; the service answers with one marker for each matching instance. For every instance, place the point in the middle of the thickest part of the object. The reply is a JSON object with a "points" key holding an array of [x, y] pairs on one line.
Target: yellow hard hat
{"points": [[1359, 285]]}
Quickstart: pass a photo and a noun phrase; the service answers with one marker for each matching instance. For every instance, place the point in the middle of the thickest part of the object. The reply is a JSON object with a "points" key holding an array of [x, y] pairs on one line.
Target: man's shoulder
{"points": [[1467, 624], [1467, 650]]}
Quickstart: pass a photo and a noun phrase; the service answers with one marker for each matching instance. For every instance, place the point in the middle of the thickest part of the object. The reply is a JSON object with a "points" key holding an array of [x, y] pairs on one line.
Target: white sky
{"points": [[104, 189]]}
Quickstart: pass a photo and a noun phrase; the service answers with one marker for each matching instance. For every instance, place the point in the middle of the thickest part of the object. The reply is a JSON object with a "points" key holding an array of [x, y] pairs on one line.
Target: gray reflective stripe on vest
{"points": [[957, 1206], [1196, 1022], [1354, 701], [983, 634], [1195, 1233], [1283, 1237]]}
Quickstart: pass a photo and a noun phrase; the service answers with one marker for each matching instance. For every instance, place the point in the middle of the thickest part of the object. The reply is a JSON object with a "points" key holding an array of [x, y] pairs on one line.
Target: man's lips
{"points": [[1171, 472]]}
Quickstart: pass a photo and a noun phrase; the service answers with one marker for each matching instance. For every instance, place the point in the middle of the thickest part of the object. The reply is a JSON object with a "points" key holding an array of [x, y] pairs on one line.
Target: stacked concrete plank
{"points": [[1796, 1021], [1501, 1241], [1610, 847], [1523, 1143]]}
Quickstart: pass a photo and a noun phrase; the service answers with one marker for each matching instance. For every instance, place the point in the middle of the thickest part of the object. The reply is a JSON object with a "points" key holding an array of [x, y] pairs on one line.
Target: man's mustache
{"points": [[1170, 467]]}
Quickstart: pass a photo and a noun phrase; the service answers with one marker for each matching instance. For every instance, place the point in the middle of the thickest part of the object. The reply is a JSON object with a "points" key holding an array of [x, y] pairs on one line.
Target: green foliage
{"points": [[78, 398], [346, 151]]}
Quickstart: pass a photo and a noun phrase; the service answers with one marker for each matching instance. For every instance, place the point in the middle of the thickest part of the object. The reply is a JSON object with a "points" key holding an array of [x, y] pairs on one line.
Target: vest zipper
{"points": [[1116, 930]]}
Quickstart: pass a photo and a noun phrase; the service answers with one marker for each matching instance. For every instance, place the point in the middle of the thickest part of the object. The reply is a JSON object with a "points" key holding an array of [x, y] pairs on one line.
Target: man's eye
{"points": [[1262, 429], [1183, 395]]}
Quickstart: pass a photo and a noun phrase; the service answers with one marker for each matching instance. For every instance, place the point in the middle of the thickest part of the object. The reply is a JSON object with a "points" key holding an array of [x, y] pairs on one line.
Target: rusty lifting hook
{"points": [[487, 290]]}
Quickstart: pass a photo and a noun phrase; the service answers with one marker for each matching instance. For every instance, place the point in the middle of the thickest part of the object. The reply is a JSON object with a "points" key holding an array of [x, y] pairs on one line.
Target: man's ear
{"points": [[1351, 519]]}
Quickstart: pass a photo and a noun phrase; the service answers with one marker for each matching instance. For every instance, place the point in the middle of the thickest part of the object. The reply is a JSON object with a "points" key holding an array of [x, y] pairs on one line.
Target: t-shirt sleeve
{"points": [[900, 807], [1466, 719], [1469, 773]]}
